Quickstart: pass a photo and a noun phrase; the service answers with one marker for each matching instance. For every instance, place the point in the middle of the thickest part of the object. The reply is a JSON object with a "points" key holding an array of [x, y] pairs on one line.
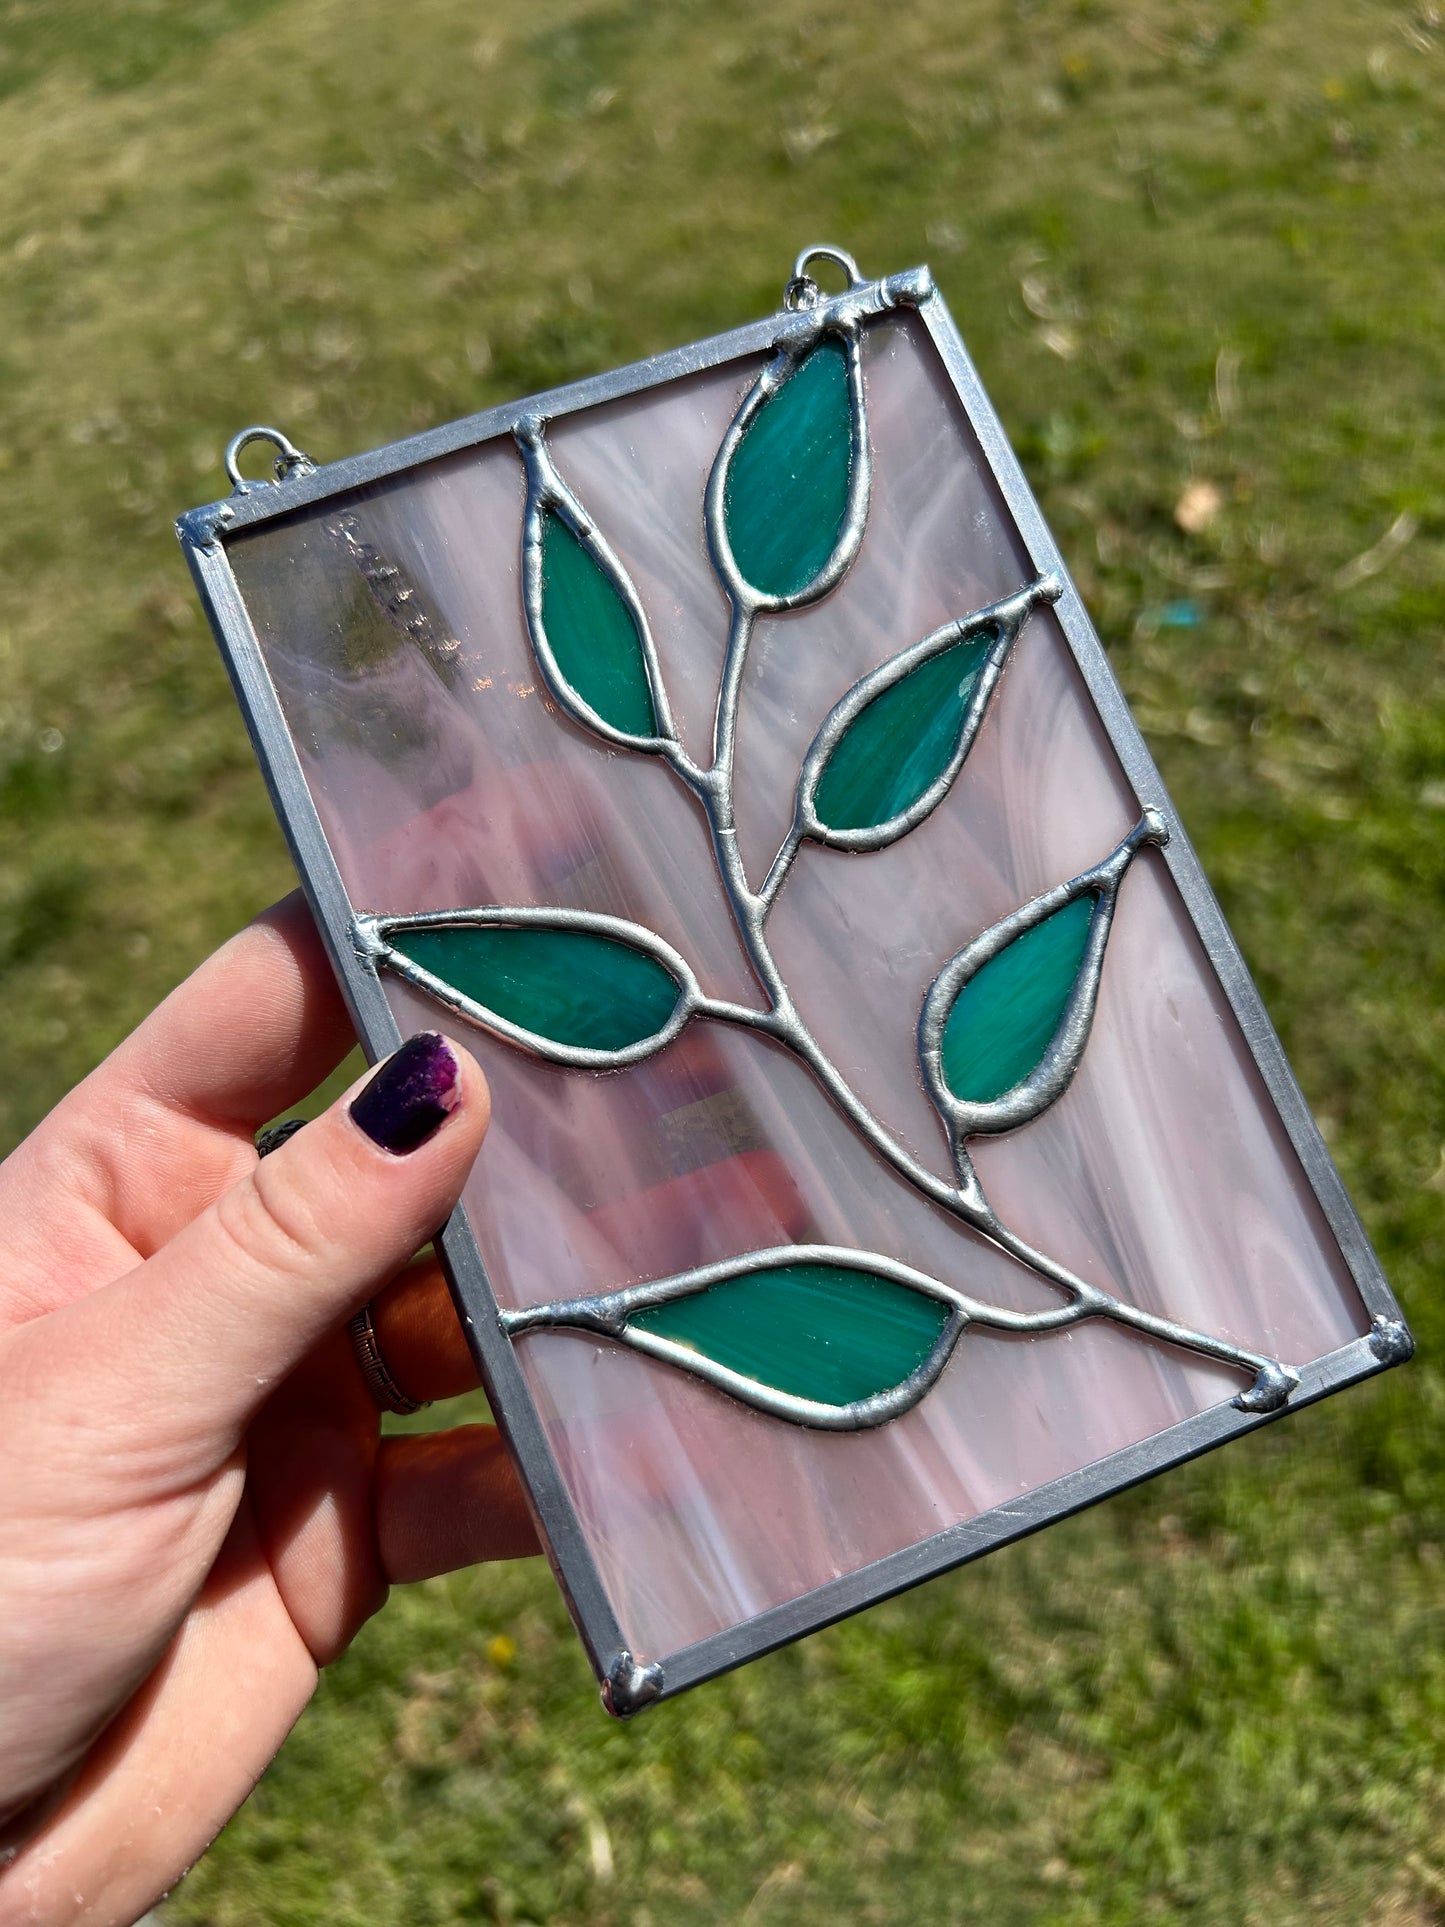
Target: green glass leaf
{"points": [[815, 1331], [592, 633], [898, 746], [786, 495], [1005, 1017], [570, 987]]}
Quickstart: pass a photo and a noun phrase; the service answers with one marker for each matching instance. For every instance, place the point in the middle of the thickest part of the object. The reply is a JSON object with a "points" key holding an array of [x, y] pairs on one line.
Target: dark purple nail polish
{"points": [[411, 1095]]}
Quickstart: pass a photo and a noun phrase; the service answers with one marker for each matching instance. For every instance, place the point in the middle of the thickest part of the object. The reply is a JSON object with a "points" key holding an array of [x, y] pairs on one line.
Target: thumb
{"points": [[194, 1340]]}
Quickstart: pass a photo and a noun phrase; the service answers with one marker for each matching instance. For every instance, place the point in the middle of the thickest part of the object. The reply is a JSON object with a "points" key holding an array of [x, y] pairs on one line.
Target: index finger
{"points": [[166, 1123]]}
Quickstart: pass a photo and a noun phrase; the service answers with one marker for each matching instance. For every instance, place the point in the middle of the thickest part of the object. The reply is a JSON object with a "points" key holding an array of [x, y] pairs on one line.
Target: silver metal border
{"points": [[626, 1683], [255, 503], [1045, 1505]]}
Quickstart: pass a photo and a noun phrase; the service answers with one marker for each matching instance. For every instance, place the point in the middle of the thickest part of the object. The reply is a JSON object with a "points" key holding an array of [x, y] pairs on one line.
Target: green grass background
{"points": [[1188, 243]]}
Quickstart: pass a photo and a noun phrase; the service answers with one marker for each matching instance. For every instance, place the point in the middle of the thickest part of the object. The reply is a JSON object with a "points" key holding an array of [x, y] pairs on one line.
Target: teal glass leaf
{"points": [[901, 743], [812, 1330], [1007, 1014], [786, 495], [1006, 1022], [592, 633], [570, 987]]}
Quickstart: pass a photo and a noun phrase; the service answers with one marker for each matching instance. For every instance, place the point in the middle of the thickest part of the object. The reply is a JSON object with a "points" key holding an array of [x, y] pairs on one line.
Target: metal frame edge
{"points": [[1002, 1525], [263, 502]]}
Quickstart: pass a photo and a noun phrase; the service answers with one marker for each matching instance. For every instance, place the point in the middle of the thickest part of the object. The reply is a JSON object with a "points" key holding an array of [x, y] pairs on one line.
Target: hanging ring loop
{"points": [[803, 292], [290, 460]]}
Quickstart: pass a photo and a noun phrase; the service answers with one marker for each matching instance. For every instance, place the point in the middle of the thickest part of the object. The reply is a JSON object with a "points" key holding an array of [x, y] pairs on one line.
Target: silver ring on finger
{"points": [[387, 1394]]}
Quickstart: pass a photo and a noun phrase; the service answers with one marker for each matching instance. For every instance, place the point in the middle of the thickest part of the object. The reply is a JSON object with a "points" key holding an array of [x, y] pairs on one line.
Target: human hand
{"points": [[196, 1511]]}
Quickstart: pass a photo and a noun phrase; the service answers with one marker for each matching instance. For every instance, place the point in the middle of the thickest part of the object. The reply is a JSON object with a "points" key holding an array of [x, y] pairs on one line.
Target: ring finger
{"points": [[419, 1336]]}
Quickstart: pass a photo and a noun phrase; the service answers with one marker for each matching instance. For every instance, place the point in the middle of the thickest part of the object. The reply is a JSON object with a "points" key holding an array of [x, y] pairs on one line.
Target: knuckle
{"points": [[271, 1225]]}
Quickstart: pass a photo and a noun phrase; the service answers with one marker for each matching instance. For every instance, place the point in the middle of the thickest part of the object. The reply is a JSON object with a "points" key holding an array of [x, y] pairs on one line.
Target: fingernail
{"points": [[411, 1096]]}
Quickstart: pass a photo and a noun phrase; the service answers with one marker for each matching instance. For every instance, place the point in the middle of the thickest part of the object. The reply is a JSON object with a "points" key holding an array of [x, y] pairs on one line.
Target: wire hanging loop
{"points": [[290, 461], [803, 292]]}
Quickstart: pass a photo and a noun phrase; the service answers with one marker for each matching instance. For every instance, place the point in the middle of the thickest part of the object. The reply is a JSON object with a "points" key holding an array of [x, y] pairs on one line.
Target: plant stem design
{"points": [[568, 566]]}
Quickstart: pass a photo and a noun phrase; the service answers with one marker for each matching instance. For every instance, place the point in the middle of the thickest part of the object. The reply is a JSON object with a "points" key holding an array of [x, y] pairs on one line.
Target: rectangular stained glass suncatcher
{"points": [[889, 1151]]}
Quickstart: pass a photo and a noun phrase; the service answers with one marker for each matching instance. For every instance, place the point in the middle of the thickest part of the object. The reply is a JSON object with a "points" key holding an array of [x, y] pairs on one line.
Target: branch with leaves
{"points": [[822, 1335]]}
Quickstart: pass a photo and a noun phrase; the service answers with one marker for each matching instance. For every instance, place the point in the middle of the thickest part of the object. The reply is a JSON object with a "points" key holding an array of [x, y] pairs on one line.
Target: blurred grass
{"points": [[1195, 250]]}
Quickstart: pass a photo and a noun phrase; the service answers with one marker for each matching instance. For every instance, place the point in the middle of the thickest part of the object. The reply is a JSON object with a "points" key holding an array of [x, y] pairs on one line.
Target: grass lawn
{"points": [[1195, 249]]}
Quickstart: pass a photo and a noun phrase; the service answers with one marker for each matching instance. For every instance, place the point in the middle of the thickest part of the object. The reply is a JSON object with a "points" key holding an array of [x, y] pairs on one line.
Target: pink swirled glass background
{"points": [[1163, 1174]]}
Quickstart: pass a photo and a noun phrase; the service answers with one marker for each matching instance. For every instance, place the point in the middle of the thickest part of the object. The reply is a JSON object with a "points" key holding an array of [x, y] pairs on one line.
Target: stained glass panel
{"points": [[882, 1125]]}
